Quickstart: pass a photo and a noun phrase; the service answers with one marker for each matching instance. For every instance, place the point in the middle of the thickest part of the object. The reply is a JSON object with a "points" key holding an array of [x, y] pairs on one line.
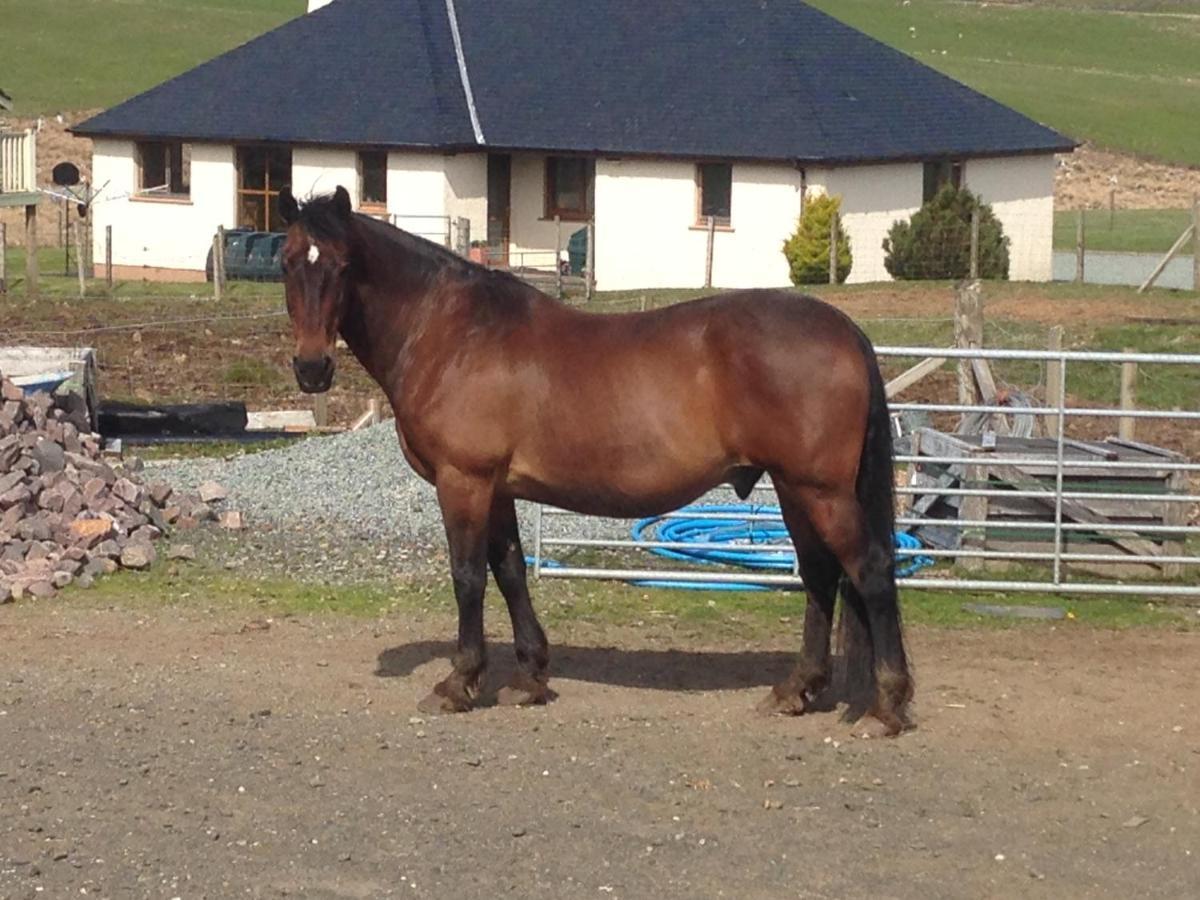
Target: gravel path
{"points": [[356, 483]]}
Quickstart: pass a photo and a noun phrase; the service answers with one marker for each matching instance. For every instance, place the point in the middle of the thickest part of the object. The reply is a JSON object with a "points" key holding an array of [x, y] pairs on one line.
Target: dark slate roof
{"points": [[730, 79]]}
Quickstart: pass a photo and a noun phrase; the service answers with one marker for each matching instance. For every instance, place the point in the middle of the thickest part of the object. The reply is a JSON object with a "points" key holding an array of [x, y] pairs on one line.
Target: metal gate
{"points": [[1068, 513]]}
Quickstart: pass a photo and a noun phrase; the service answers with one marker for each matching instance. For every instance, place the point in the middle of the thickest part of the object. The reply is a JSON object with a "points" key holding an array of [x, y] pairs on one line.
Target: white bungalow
{"points": [[507, 115]]}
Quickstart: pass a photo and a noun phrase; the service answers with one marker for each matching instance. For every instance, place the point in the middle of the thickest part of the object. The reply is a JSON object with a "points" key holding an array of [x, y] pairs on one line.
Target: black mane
{"points": [[322, 218]]}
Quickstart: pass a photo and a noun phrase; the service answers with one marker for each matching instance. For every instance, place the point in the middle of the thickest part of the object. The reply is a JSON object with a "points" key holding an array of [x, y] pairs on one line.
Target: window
{"points": [[940, 174], [164, 168], [372, 179], [714, 194], [569, 187], [262, 171]]}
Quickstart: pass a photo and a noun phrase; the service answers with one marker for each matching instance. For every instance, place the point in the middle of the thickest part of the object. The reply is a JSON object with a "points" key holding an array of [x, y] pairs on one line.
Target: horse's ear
{"points": [[341, 202], [289, 209]]}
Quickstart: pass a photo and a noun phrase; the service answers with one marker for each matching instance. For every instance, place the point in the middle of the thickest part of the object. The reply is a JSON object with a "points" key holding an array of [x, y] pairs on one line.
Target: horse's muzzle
{"points": [[313, 375]]}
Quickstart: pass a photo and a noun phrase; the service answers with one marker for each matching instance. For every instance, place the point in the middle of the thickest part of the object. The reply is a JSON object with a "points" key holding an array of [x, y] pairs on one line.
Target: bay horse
{"points": [[502, 393]]}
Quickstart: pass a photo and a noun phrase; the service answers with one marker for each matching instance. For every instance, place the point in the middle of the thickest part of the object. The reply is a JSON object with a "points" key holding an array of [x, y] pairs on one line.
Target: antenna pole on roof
{"points": [[452, 15]]}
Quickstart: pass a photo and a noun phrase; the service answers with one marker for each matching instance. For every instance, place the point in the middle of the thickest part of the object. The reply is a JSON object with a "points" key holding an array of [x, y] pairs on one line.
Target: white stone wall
{"points": [[466, 191], [873, 198], [163, 233], [531, 235], [1021, 192], [416, 191], [317, 170], [647, 235]]}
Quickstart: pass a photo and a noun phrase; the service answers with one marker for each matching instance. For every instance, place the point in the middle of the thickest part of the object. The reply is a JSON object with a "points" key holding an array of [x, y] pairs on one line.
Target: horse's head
{"points": [[316, 257]]}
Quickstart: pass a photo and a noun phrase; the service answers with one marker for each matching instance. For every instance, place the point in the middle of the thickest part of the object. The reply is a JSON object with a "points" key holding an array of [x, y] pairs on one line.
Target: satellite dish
{"points": [[65, 174]]}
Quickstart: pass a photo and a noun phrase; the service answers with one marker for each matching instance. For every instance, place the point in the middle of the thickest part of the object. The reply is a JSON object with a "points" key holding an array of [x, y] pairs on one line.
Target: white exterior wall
{"points": [[647, 236], [317, 170], [466, 191], [161, 233], [531, 235], [416, 191], [873, 198], [1021, 192]]}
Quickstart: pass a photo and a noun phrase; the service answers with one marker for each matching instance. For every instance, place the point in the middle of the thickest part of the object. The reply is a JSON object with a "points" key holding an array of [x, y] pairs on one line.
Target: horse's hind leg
{"points": [[821, 572], [466, 504], [869, 561], [508, 565]]}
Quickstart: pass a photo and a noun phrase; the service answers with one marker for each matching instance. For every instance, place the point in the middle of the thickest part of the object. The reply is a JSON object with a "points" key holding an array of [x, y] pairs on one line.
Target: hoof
{"points": [[877, 724], [785, 703], [443, 699], [524, 692]]}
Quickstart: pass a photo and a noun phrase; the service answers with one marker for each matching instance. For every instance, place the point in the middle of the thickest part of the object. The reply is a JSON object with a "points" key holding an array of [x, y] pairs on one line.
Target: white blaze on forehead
{"points": [[313, 253]]}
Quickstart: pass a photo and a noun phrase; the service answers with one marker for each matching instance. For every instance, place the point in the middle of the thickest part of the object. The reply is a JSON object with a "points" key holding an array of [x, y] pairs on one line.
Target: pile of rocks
{"points": [[67, 514]]}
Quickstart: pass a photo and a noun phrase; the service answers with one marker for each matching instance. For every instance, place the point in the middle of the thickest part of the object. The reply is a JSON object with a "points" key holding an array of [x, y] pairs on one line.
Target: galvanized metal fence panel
{"points": [[1053, 564]]}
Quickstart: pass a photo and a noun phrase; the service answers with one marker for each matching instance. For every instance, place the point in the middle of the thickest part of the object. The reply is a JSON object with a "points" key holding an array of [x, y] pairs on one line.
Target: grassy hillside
{"points": [[1089, 68], [1121, 73], [60, 55]]}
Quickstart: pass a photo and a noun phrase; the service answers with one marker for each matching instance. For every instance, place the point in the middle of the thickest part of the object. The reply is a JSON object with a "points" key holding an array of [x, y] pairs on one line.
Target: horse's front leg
{"points": [[465, 502], [507, 560]]}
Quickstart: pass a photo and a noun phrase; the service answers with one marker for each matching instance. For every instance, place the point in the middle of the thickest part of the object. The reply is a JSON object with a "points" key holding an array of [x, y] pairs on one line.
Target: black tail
{"points": [[875, 489], [876, 480]]}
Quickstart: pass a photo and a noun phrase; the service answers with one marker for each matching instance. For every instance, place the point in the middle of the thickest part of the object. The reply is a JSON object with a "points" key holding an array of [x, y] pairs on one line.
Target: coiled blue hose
{"points": [[702, 526]]}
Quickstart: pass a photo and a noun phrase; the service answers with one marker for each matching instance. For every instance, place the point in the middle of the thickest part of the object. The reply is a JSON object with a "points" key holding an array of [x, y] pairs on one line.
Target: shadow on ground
{"points": [[677, 670]]}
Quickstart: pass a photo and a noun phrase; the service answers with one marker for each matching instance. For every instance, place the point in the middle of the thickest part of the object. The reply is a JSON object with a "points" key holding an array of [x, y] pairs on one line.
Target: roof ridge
{"points": [[463, 74]]}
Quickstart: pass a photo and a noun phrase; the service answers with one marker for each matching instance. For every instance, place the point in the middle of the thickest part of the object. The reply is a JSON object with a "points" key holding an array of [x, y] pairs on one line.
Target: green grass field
{"points": [[729, 614], [1120, 73], [1130, 230], [81, 54], [1088, 68]]}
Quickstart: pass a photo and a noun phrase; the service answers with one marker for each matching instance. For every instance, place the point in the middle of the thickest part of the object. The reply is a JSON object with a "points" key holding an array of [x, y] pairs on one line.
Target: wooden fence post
{"points": [[968, 333], [1196, 242], [108, 272], [464, 237], [590, 264], [1079, 248], [1112, 208], [31, 250], [89, 247], [833, 240], [1126, 425], [219, 264], [1054, 398], [708, 256], [321, 409], [79, 258], [3, 259], [974, 243], [558, 276]]}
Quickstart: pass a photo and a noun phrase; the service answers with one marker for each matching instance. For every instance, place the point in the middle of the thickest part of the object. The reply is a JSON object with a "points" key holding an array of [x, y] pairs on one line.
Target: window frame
{"points": [[724, 223], [268, 192], [940, 172], [372, 205], [550, 192], [143, 149]]}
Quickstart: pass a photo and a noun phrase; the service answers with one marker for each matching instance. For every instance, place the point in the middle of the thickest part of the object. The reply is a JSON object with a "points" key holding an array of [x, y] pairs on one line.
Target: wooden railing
{"points": [[18, 162]]}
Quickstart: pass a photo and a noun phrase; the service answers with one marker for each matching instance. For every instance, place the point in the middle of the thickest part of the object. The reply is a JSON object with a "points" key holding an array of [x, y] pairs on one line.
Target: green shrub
{"points": [[936, 242], [807, 250]]}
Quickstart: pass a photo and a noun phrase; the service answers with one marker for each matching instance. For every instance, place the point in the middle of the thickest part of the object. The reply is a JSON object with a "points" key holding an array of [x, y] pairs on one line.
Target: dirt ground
{"points": [[202, 754], [1084, 180]]}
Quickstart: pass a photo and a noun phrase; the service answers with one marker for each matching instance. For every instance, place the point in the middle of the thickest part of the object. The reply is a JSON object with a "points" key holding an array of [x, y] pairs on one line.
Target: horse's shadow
{"points": [[674, 670]]}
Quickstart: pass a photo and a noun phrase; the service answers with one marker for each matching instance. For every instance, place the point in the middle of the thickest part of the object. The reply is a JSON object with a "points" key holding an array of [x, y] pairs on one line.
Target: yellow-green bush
{"points": [[807, 250]]}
